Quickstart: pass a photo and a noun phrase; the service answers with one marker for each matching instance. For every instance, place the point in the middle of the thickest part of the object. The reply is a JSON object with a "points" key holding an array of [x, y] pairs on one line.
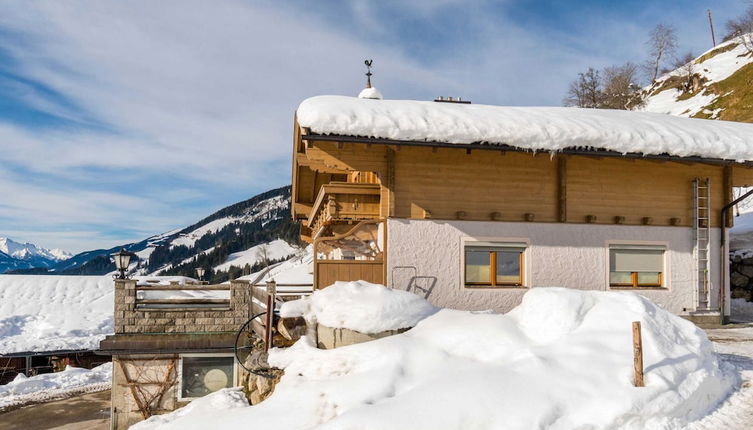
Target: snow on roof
{"points": [[531, 128]]}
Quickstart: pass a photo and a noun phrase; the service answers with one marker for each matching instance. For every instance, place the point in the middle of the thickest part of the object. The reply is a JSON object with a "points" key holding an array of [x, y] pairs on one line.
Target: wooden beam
{"points": [[390, 182], [562, 188], [728, 194]]}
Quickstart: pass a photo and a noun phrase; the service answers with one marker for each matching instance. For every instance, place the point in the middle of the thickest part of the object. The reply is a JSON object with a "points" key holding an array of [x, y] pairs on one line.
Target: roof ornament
{"points": [[369, 92], [368, 64]]}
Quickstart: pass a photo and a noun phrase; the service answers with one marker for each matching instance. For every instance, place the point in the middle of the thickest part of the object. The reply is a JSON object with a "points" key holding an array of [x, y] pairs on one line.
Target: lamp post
{"points": [[200, 273], [121, 259]]}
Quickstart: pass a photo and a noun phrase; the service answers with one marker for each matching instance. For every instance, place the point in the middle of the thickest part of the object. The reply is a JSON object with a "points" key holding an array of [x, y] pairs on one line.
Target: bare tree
{"points": [[662, 43], [686, 67], [621, 87], [585, 91], [742, 27]]}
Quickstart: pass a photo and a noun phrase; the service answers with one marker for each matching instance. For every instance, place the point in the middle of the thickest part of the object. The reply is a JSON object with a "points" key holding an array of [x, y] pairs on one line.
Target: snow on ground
{"points": [[48, 313], [296, 270], [735, 348], [225, 399], [742, 310], [360, 306], [714, 69], [275, 250], [533, 128], [561, 360], [37, 388], [52, 313]]}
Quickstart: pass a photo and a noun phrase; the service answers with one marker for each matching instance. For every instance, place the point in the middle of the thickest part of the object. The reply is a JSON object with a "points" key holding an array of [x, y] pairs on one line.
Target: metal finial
{"points": [[368, 73]]}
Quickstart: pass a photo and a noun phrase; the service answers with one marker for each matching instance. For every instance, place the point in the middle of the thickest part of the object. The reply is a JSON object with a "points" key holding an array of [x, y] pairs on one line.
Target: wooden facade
{"points": [[472, 182]]}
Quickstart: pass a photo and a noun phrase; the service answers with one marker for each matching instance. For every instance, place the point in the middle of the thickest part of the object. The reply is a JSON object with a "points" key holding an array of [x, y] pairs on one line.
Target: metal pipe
{"points": [[725, 254], [505, 147]]}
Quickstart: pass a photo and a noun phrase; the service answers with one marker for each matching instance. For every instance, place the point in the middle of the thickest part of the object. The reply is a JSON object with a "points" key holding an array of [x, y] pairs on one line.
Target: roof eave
{"points": [[504, 147]]}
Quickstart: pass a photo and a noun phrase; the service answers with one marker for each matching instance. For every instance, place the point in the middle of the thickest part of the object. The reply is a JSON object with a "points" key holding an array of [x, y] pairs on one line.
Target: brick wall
{"points": [[130, 320]]}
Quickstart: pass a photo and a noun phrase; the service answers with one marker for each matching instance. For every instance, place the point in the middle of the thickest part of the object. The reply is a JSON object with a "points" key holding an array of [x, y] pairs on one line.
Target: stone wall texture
{"points": [[129, 319]]}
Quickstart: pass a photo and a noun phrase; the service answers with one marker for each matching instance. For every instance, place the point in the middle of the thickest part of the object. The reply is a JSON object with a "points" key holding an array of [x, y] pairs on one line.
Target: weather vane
{"points": [[368, 73]]}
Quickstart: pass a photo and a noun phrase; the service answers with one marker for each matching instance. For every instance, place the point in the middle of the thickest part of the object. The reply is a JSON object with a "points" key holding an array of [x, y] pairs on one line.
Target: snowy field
{"points": [[561, 360], [53, 386], [53, 313], [50, 313]]}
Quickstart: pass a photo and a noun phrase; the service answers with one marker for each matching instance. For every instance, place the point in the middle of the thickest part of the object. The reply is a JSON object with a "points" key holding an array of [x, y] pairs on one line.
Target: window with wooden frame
{"points": [[494, 264], [636, 266]]}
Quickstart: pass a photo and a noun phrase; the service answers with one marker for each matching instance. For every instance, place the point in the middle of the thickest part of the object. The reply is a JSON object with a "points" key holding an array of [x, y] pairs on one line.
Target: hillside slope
{"points": [[716, 85], [208, 243]]}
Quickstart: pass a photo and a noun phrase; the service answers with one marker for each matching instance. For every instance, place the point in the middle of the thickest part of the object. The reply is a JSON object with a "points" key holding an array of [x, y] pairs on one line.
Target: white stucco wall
{"points": [[564, 255]]}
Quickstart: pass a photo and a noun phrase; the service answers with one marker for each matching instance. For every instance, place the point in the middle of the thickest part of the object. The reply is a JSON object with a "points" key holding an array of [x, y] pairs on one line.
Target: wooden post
{"points": [[637, 354], [271, 293]]}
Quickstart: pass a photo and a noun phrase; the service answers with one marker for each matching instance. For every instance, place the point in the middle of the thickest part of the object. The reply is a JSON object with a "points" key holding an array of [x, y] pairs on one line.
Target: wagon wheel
{"points": [[247, 340]]}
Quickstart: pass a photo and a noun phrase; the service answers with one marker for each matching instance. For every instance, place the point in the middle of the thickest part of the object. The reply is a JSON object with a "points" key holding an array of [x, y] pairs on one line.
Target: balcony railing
{"points": [[341, 201]]}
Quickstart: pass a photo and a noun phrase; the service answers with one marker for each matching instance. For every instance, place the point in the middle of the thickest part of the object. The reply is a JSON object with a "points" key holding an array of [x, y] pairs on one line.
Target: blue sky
{"points": [[123, 119]]}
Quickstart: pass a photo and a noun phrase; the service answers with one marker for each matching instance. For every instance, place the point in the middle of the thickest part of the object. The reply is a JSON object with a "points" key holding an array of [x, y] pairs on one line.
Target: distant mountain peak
{"points": [[16, 255]]}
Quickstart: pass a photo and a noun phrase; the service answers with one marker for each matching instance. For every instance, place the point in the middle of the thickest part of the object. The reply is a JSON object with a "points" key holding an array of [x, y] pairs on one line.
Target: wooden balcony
{"points": [[343, 202]]}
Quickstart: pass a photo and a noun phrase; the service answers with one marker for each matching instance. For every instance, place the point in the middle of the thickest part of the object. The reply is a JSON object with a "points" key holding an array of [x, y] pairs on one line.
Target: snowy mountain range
{"points": [[15, 255], [228, 242]]}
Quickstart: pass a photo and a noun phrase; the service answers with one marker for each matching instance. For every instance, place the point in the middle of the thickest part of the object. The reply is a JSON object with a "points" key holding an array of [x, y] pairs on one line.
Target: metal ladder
{"points": [[702, 236]]}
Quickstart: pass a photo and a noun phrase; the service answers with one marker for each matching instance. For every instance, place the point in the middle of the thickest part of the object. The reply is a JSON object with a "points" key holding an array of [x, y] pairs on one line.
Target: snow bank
{"points": [[561, 360], [23, 389], [49, 313], [361, 306], [533, 128], [225, 399]]}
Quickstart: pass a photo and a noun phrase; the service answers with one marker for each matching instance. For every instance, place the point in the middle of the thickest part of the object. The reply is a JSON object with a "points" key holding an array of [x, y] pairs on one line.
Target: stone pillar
{"points": [[125, 303]]}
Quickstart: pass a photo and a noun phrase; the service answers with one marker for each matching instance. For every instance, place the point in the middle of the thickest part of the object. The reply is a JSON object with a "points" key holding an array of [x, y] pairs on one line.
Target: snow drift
{"points": [[23, 389], [560, 360], [360, 306]]}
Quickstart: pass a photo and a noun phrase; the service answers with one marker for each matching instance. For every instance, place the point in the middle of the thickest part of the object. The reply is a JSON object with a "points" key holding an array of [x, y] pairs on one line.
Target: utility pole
{"points": [[711, 24]]}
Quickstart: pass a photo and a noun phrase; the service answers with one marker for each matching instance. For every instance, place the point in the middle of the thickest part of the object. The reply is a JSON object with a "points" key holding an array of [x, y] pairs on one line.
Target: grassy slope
{"points": [[736, 101]]}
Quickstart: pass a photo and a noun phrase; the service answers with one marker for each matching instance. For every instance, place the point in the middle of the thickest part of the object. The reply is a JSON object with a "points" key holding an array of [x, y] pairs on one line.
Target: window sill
{"points": [[495, 287], [638, 288]]}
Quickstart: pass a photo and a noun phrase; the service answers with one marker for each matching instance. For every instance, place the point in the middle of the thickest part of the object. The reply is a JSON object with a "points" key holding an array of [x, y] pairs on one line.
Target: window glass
{"points": [[203, 375], [508, 266], [494, 263], [636, 265], [477, 266]]}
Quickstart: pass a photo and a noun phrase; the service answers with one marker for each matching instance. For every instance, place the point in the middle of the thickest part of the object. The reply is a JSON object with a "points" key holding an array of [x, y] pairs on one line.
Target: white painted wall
{"points": [[563, 255]]}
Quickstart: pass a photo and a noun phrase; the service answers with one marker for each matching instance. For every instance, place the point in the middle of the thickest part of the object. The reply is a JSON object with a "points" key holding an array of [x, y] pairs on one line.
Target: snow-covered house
{"points": [[472, 205]]}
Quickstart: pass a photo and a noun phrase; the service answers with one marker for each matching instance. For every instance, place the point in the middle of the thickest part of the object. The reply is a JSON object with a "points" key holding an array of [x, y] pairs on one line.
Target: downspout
{"points": [[725, 253]]}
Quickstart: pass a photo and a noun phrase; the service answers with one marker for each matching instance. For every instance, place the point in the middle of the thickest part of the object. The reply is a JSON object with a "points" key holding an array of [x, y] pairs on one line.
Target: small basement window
{"points": [[636, 266], [204, 374], [494, 264]]}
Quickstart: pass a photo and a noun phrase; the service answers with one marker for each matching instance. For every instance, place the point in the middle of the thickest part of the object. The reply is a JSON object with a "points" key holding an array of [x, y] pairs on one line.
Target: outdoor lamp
{"points": [[122, 258], [200, 273]]}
